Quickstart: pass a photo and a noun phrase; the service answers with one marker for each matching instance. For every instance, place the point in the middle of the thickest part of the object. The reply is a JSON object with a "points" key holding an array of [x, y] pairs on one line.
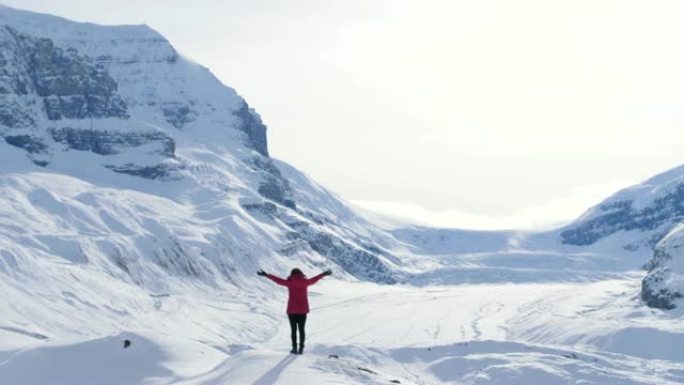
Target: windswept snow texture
{"points": [[138, 198]]}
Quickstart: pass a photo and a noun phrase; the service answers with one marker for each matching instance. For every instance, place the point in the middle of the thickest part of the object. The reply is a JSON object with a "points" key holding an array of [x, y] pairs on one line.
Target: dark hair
{"points": [[296, 271]]}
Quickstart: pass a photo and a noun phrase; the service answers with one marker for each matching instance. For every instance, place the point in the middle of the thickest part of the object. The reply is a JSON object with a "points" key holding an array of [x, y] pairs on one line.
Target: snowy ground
{"points": [[359, 333]]}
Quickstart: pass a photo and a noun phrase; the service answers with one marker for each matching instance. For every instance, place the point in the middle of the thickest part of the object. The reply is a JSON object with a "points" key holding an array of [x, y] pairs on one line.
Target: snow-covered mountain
{"points": [[139, 198], [643, 218], [642, 214], [99, 122]]}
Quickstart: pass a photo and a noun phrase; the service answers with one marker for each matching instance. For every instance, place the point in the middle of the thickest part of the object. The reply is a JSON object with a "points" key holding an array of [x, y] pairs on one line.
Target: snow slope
{"points": [[642, 214]]}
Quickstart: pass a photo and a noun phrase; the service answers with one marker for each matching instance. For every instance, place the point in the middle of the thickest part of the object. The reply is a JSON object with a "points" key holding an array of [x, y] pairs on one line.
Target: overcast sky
{"points": [[480, 114]]}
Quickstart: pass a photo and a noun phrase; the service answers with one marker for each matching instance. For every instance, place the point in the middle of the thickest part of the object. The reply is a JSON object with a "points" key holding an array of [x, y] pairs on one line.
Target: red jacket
{"points": [[297, 286]]}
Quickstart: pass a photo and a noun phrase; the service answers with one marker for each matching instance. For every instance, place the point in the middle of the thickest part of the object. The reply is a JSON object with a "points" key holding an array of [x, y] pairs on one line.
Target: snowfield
{"points": [[360, 333]]}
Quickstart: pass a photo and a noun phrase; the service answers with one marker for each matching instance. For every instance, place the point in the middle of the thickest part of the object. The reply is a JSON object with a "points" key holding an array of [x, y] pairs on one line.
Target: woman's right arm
{"points": [[276, 279]]}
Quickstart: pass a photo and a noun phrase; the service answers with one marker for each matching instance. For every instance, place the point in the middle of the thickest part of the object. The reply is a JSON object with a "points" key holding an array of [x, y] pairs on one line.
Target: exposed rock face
{"points": [[12, 115], [273, 186], [252, 126], [71, 86], [40, 81], [178, 115], [38, 77], [355, 259], [653, 208], [663, 286], [111, 143], [15, 83], [29, 143], [664, 212], [160, 171]]}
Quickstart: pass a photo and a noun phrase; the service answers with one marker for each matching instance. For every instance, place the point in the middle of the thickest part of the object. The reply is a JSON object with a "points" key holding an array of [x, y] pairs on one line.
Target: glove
{"points": [[261, 273], [327, 272]]}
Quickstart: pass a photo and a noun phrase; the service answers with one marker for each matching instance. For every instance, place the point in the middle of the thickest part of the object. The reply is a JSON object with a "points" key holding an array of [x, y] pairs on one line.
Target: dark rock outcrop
{"points": [[663, 286], [14, 84], [251, 124], [355, 260], [12, 115], [111, 143], [31, 144], [159, 171], [657, 296], [72, 86], [273, 185], [178, 115]]}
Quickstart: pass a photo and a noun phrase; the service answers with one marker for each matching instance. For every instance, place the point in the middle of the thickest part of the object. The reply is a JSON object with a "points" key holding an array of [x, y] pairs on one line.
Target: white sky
{"points": [[481, 114]]}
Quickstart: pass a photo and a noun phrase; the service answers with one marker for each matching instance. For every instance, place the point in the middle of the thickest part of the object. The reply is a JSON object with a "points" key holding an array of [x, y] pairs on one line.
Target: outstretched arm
{"points": [[276, 279], [272, 277], [317, 278]]}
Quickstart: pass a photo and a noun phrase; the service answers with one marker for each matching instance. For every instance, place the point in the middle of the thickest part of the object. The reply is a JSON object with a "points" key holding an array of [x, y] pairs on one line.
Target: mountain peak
{"points": [[36, 22]]}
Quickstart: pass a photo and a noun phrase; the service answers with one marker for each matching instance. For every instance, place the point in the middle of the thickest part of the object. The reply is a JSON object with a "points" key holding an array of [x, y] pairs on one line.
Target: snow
{"points": [[361, 333], [95, 357], [484, 317], [462, 335], [90, 258]]}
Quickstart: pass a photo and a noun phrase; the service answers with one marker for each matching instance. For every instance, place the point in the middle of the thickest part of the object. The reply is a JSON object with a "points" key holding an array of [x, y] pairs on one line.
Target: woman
{"points": [[298, 302]]}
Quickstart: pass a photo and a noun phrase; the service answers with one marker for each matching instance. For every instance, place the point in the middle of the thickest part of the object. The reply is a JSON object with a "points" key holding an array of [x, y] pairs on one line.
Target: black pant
{"points": [[297, 321]]}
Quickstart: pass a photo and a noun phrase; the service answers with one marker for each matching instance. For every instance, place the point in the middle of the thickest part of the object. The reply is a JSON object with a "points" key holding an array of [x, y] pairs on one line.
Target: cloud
{"points": [[550, 214]]}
